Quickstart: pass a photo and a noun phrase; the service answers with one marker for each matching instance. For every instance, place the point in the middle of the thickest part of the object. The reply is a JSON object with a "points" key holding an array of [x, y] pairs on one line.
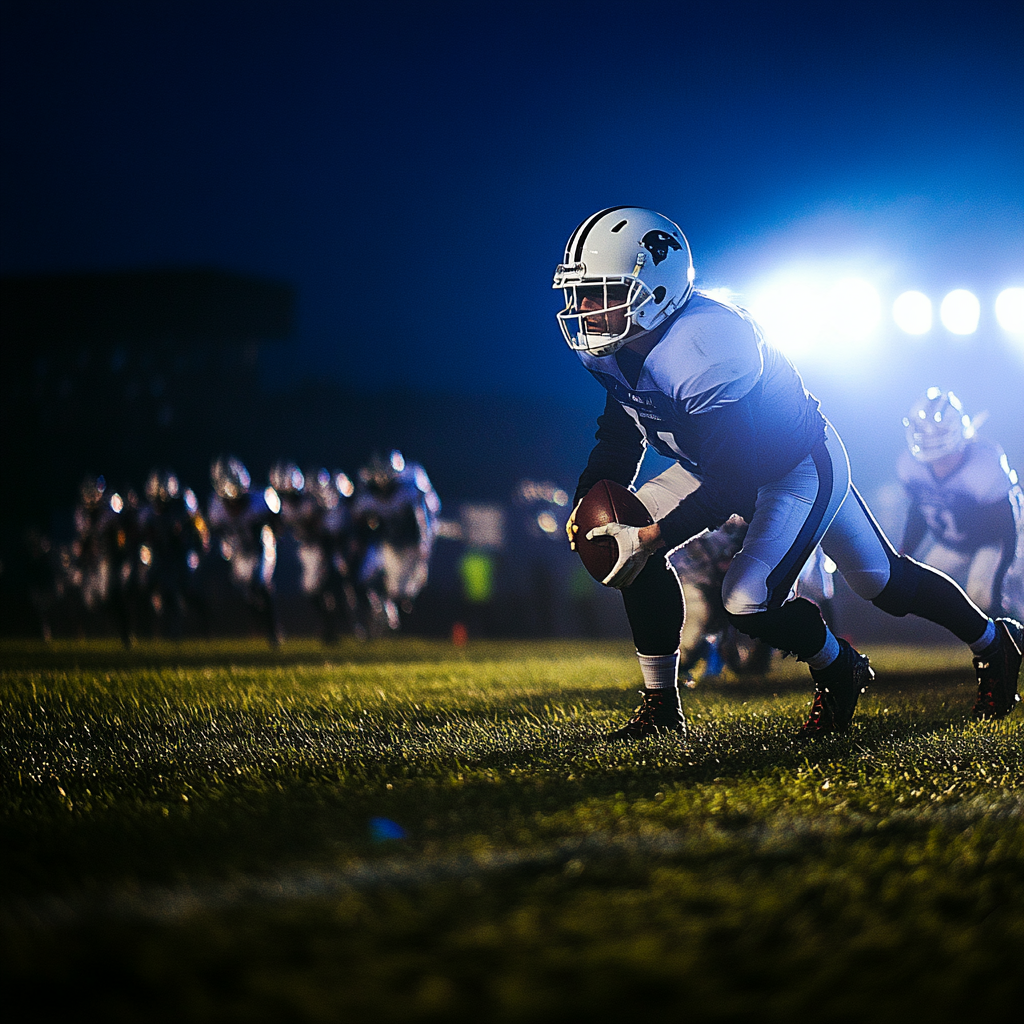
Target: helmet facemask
{"points": [[937, 426], [589, 330]]}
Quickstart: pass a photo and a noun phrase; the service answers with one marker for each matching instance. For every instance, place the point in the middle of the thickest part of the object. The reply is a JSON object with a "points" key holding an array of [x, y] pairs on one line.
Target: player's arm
{"points": [[914, 532], [727, 452], [618, 453], [728, 442], [616, 456]]}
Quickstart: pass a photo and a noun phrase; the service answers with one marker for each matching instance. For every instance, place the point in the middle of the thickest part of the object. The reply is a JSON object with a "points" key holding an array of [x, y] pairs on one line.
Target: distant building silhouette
{"points": [[119, 371]]}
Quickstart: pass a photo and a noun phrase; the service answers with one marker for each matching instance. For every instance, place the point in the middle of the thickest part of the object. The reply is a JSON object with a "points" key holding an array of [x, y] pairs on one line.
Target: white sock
{"points": [[660, 671], [827, 654], [985, 639]]}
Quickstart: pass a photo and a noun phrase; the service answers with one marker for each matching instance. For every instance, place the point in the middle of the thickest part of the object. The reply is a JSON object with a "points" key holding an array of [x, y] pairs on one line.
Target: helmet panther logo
{"points": [[658, 243]]}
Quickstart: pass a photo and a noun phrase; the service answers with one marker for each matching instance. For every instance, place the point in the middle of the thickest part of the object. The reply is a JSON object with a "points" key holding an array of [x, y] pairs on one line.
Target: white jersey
{"points": [[958, 508], [712, 395], [245, 536], [408, 513]]}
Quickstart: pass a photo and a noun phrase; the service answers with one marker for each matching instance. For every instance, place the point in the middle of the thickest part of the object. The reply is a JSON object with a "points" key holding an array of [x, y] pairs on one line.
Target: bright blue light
{"points": [[791, 313], [912, 312], [1010, 310], [853, 309], [960, 312]]}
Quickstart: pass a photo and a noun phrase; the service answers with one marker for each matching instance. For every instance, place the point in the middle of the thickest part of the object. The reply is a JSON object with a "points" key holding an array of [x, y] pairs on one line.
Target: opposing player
{"points": [[966, 513], [394, 514], [695, 379], [315, 510], [106, 554], [241, 524], [175, 538]]}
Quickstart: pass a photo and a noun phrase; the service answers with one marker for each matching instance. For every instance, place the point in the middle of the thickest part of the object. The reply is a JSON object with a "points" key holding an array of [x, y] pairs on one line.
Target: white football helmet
{"points": [[627, 260], [937, 426]]}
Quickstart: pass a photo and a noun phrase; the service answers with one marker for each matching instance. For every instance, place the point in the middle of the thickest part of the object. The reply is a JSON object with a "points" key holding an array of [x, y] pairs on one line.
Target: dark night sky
{"points": [[415, 170]]}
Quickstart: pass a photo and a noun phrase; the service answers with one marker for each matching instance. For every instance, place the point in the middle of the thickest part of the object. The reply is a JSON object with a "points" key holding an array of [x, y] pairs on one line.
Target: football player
{"points": [[241, 521], [315, 510], [174, 539], [394, 514], [695, 379], [966, 507], [105, 553]]}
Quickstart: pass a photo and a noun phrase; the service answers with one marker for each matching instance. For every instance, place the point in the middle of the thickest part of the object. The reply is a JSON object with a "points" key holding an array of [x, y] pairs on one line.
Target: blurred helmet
{"points": [[229, 477], [92, 490], [322, 486], [379, 475], [937, 426], [286, 478], [162, 486], [625, 259]]}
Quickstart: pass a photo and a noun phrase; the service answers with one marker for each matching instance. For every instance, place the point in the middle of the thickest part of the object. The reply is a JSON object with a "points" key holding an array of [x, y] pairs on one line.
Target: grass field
{"points": [[403, 831]]}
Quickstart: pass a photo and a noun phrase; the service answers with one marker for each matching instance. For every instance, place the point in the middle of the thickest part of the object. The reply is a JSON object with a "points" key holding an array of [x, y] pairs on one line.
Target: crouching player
{"points": [[695, 379], [966, 507]]}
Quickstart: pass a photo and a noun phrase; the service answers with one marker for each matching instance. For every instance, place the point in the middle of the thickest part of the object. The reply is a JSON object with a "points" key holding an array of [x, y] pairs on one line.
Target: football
{"points": [[606, 502]]}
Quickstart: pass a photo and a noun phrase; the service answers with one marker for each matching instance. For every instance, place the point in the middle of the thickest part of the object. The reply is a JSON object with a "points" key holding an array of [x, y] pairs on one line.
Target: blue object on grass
{"points": [[383, 829], [713, 665]]}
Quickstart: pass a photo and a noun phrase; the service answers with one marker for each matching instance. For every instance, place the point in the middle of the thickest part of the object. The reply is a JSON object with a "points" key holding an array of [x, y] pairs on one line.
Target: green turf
{"points": [[403, 831]]}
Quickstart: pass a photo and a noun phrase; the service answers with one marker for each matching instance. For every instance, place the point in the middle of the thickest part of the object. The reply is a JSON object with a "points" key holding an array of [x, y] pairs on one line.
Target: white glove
{"points": [[632, 554], [571, 528]]}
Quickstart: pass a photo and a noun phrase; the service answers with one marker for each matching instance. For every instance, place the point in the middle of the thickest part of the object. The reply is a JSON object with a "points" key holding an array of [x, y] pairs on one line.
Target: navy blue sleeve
{"points": [[618, 453]]}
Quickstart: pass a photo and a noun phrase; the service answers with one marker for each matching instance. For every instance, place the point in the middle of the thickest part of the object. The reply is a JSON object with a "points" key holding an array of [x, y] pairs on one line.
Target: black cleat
{"points": [[660, 713], [836, 692], [999, 674]]}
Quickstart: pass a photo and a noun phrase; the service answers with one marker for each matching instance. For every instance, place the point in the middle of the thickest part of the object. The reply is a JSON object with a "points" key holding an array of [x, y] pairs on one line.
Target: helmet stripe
{"points": [[584, 230]]}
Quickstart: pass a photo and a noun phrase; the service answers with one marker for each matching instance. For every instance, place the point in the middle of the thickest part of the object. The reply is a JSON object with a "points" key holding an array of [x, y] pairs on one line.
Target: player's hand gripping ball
{"points": [[606, 502]]}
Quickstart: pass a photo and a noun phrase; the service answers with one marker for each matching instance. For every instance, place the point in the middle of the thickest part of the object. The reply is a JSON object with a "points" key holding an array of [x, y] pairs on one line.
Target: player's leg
{"points": [[901, 585], [655, 610], [790, 518]]}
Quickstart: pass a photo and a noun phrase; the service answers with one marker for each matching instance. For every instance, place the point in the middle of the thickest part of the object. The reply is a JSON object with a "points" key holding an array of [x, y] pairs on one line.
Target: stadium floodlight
{"points": [[792, 316], [912, 312], [853, 308], [1010, 310], [960, 312]]}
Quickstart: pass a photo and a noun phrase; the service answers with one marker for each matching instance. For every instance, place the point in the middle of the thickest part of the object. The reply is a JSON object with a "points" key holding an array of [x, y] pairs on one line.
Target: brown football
{"points": [[606, 502]]}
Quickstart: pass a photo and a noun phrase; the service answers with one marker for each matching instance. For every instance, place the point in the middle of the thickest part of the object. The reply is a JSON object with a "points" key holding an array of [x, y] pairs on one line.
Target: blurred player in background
{"points": [[394, 515], [695, 379], [241, 523], [105, 554], [315, 510], [174, 539], [966, 513]]}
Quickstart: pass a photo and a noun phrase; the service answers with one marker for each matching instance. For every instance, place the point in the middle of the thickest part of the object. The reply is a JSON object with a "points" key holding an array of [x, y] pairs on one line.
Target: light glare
{"points": [[1010, 310], [791, 316], [854, 308], [912, 312], [960, 311]]}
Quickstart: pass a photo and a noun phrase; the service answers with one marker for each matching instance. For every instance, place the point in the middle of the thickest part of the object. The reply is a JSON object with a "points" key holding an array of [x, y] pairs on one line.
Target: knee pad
{"points": [[796, 627], [899, 595]]}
